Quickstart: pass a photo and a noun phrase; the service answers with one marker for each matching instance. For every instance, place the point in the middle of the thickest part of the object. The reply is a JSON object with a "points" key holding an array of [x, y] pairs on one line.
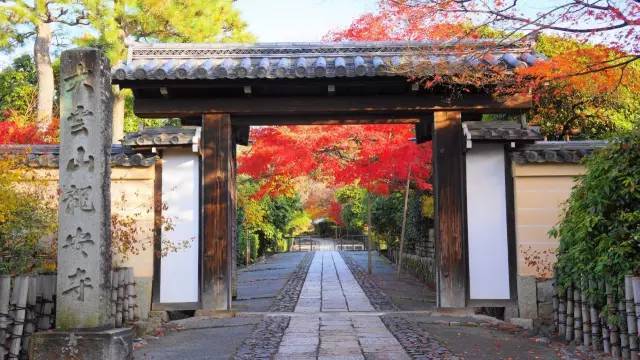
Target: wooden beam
{"points": [[241, 134], [218, 187], [449, 193], [424, 129], [327, 119], [325, 105], [472, 116]]}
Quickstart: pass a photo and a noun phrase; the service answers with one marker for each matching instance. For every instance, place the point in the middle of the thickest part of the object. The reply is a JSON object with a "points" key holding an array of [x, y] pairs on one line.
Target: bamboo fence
{"points": [[602, 324], [27, 305]]}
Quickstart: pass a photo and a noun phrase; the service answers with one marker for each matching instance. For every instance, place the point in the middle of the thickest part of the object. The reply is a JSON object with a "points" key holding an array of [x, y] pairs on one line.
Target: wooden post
{"points": [[130, 294], [635, 287], [5, 293], [114, 297], [569, 331], [404, 221], [586, 318], [125, 299], [606, 340], [233, 215], [577, 315], [624, 333], [48, 290], [632, 327], [449, 191], [555, 302], [562, 313], [596, 333], [119, 298], [218, 204], [613, 328], [369, 247], [20, 292], [31, 314]]}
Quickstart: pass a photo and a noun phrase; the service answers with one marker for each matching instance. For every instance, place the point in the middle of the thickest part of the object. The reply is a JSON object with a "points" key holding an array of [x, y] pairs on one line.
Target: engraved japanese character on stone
{"points": [[75, 197], [80, 161], [79, 282], [78, 118], [80, 76], [78, 241]]}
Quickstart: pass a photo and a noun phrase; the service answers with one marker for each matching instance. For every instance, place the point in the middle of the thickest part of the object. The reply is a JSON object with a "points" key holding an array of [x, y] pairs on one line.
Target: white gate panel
{"points": [[180, 194], [487, 223]]}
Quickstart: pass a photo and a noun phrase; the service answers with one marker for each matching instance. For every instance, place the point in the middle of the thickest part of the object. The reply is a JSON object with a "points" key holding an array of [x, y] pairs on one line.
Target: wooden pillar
{"points": [[218, 209], [448, 159], [236, 134]]}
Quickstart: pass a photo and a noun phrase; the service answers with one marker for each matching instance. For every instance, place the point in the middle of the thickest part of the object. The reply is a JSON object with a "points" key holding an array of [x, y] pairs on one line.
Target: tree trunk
{"points": [[44, 69], [118, 114]]}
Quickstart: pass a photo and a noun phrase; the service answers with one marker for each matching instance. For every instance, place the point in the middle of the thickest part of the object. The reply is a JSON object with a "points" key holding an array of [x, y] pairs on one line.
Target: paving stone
{"points": [[329, 293]]}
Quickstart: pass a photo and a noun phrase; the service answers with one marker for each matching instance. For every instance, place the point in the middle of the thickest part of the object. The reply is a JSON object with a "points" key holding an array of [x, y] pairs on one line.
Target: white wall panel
{"points": [[180, 194], [487, 223]]}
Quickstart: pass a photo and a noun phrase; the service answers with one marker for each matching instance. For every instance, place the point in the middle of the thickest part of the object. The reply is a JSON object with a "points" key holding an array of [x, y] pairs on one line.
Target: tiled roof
{"points": [[500, 131], [166, 136], [46, 156], [555, 151], [310, 60]]}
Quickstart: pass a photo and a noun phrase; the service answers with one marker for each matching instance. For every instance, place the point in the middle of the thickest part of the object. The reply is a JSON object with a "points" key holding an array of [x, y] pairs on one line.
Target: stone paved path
{"points": [[326, 315], [332, 320]]}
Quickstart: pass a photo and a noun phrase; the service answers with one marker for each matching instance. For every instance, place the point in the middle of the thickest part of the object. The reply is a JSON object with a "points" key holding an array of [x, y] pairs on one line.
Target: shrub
{"points": [[26, 218], [600, 230]]}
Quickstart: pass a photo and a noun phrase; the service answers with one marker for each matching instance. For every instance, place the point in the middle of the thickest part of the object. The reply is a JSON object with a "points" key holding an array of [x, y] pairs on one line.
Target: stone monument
{"points": [[84, 327]]}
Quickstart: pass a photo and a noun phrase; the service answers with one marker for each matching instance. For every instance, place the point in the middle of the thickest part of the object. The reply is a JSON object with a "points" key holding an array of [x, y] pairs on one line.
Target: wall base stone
{"points": [[527, 297], [112, 344]]}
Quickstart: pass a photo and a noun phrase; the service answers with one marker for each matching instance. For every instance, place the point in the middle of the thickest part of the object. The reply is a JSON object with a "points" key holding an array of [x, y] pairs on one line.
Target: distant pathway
{"points": [[333, 322]]}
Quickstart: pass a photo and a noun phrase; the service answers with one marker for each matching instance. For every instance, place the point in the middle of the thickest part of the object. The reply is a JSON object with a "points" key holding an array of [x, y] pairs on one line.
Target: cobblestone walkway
{"points": [[332, 320]]}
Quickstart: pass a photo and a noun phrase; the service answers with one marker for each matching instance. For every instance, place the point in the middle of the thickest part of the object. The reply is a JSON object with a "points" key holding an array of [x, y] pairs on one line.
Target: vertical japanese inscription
{"points": [[84, 255]]}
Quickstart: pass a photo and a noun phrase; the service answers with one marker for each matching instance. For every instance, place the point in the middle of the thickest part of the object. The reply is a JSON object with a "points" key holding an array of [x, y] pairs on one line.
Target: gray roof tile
{"points": [[46, 156], [165, 136], [555, 151], [500, 131], [310, 60]]}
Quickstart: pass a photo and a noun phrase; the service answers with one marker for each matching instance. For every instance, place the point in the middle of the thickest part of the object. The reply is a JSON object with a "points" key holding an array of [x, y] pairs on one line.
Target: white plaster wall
{"points": [[180, 195], [487, 223]]}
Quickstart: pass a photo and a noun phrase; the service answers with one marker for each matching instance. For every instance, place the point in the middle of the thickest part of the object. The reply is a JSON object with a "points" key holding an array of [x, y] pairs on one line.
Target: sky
{"points": [[296, 20], [282, 20], [300, 20]]}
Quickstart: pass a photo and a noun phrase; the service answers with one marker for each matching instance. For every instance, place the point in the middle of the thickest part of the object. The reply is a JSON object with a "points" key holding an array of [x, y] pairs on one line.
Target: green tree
{"points": [[352, 199], [23, 20], [266, 222], [18, 91], [118, 22]]}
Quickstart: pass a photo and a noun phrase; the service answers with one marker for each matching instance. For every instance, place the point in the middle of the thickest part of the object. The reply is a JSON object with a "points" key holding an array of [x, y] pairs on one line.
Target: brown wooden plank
{"points": [[323, 105], [449, 190], [217, 159], [324, 119], [424, 129]]}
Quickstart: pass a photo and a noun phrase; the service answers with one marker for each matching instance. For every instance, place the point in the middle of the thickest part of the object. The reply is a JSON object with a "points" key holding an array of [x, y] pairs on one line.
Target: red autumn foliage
{"points": [[396, 20], [335, 213], [377, 157], [615, 23], [14, 133]]}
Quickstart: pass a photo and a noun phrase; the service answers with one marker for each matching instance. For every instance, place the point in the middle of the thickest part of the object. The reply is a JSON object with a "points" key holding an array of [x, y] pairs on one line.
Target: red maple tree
{"points": [[377, 157]]}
